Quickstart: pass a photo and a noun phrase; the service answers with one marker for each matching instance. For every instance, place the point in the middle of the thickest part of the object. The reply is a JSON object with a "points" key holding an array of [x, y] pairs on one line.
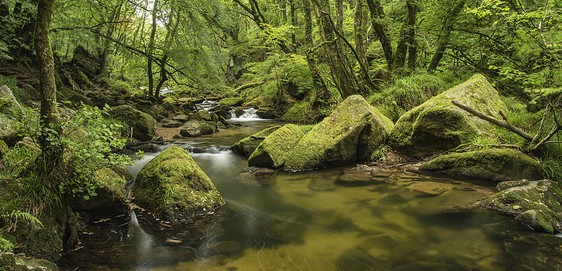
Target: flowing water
{"points": [[321, 220]]}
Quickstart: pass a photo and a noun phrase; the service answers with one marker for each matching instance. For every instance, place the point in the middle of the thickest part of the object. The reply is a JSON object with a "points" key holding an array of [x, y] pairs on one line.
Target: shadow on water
{"points": [[314, 221]]}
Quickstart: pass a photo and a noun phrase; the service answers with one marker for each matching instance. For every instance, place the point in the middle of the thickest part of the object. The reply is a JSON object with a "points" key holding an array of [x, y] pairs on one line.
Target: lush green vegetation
{"points": [[297, 59]]}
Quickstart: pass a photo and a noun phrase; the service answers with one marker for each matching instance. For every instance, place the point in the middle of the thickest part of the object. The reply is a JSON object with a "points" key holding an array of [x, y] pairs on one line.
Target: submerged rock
{"points": [[194, 128], [248, 145], [175, 188], [437, 125], [273, 150], [350, 134], [494, 164], [144, 125], [534, 204]]}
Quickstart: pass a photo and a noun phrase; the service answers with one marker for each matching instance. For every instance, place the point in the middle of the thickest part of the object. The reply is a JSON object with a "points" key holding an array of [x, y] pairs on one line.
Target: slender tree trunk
{"points": [[51, 152], [412, 44], [377, 15], [359, 29], [293, 20], [151, 49], [339, 22], [320, 91], [443, 40], [407, 36]]}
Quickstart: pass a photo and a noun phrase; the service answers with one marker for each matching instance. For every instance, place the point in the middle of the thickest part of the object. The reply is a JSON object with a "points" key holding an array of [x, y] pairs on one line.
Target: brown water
{"points": [[311, 221]]}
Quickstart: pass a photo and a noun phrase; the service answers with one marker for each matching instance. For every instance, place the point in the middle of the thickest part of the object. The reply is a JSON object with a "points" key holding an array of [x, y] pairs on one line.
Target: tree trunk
{"points": [[407, 36], [151, 49], [443, 40], [51, 151], [377, 15], [359, 29], [337, 61], [413, 47], [320, 91]]}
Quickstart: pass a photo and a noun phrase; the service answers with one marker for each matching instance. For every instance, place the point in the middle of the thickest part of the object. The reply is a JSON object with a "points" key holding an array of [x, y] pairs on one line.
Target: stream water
{"points": [[312, 221]]}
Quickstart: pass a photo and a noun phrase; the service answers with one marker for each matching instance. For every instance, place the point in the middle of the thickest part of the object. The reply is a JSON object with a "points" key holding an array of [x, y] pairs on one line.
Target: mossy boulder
{"points": [[348, 135], [8, 102], [248, 145], [535, 204], [3, 148], [110, 199], [273, 150], [437, 125], [236, 101], [8, 133], [174, 187], [144, 125], [194, 128], [494, 164], [203, 115]]}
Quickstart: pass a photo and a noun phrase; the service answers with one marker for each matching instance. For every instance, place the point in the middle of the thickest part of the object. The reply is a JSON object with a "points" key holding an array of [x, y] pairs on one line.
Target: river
{"points": [[310, 221]]}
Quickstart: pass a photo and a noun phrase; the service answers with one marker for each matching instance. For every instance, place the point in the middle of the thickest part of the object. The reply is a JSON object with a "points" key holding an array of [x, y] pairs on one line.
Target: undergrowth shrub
{"points": [[88, 140], [406, 93]]}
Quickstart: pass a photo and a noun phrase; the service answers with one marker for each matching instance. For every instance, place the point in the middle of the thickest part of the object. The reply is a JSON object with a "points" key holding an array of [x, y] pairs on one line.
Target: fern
{"points": [[15, 217]]}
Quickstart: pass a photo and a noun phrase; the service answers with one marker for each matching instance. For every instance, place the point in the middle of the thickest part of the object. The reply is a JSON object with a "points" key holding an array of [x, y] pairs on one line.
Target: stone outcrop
{"points": [[174, 187], [273, 150], [494, 164], [437, 125], [350, 134]]}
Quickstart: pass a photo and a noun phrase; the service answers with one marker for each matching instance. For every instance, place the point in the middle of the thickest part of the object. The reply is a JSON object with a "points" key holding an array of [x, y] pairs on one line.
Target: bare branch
{"points": [[502, 123]]}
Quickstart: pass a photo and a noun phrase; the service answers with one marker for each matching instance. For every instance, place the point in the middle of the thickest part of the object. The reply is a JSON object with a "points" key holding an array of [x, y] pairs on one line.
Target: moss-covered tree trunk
{"points": [[443, 40], [377, 15], [51, 147]]}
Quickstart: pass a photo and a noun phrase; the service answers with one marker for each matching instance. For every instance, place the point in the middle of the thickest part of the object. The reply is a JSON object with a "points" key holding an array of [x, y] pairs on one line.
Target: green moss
{"points": [[535, 204], [248, 145], [351, 133], [144, 126], [495, 164], [236, 101], [175, 188], [437, 125], [110, 180], [273, 150], [3, 148], [194, 128], [5, 245], [304, 112]]}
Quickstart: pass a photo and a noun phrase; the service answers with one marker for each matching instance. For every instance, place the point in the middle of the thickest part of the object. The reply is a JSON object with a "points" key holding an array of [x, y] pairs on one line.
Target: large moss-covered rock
{"points": [[236, 101], [437, 125], [194, 128], [8, 133], [273, 150], [110, 199], [175, 188], [535, 204], [350, 134], [494, 164], [8, 102], [248, 145], [144, 125]]}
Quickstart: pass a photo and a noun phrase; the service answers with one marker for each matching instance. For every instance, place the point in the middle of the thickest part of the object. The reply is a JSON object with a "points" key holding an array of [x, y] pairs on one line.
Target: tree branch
{"points": [[502, 123]]}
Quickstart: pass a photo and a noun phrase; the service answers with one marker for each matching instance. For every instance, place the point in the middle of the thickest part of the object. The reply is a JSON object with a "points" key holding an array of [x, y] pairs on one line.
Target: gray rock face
{"points": [[195, 128]]}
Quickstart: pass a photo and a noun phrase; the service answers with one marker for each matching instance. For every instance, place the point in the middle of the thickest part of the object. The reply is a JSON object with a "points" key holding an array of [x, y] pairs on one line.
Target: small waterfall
{"points": [[142, 241], [206, 105], [249, 115]]}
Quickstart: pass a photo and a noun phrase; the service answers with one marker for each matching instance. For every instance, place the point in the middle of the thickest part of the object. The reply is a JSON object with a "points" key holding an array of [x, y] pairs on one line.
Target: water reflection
{"points": [[336, 219]]}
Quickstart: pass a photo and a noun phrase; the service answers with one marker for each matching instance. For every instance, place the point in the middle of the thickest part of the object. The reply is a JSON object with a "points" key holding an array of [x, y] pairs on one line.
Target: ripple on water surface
{"points": [[336, 219]]}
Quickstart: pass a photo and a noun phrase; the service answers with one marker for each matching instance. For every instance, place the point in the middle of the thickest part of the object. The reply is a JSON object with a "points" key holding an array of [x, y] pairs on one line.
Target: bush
{"points": [[407, 93]]}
